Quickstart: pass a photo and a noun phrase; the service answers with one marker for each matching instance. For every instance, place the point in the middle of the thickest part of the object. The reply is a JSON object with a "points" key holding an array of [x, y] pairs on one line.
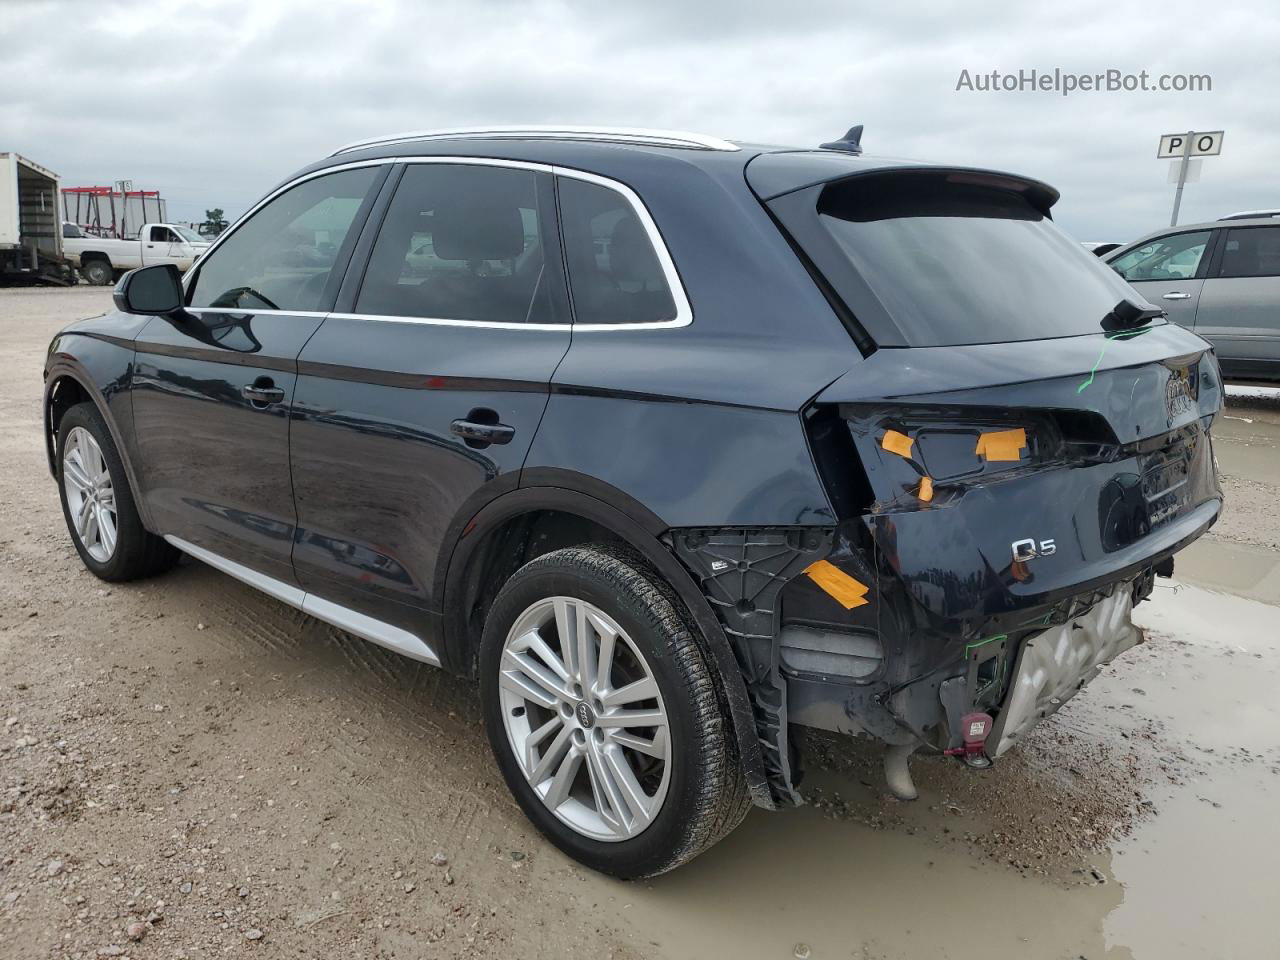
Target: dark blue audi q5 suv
{"points": [[673, 443]]}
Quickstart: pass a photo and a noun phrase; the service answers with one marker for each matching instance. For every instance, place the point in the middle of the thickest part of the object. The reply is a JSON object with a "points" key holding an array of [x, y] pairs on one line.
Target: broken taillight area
{"points": [[916, 457]]}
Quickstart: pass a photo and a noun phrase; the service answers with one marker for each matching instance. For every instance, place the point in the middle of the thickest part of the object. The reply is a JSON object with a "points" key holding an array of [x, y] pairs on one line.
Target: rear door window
{"points": [[1251, 252], [614, 271], [1175, 257], [940, 258], [463, 243]]}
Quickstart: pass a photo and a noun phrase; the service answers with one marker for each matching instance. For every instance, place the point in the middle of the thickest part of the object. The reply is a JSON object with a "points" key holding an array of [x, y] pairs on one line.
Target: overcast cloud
{"points": [[213, 102]]}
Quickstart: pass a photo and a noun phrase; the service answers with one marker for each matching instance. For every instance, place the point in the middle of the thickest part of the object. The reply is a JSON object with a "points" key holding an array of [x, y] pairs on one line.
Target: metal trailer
{"points": [[30, 228], [106, 212]]}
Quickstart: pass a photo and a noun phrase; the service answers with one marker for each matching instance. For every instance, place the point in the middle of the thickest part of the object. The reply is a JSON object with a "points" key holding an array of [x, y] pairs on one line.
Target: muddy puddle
{"points": [[1146, 828]]}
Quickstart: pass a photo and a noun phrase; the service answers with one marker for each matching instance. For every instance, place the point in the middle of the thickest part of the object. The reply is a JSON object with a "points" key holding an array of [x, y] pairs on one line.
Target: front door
{"points": [[1168, 272], [162, 245], [427, 384], [212, 391], [1240, 304]]}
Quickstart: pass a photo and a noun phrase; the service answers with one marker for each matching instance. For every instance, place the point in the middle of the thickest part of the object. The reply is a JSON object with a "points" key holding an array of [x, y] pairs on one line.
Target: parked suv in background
{"points": [[674, 443], [1220, 279]]}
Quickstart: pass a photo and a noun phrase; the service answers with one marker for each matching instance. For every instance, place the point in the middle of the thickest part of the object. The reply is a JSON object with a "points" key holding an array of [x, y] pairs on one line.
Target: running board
{"points": [[344, 618]]}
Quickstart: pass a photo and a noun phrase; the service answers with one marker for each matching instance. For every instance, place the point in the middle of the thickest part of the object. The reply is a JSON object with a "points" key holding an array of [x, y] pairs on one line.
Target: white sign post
{"points": [[1185, 146]]}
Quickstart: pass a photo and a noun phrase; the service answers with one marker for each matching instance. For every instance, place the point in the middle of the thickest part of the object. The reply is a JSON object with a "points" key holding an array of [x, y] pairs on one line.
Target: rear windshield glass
{"points": [[949, 259]]}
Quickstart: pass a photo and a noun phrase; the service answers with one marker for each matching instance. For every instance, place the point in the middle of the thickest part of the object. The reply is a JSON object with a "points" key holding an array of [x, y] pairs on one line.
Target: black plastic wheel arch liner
{"points": [[742, 572]]}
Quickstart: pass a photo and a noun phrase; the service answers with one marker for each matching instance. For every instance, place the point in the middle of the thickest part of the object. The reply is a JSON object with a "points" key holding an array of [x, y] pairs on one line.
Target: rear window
{"points": [[947, 259]]}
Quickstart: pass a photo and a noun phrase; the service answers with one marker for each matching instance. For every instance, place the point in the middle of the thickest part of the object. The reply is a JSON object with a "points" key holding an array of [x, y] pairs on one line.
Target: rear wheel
{"points": [[603, 714], [97, 272], [98, 505]]}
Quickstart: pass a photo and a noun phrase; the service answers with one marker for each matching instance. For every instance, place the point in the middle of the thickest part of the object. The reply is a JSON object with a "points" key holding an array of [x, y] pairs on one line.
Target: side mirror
{"points": [[152, 291]]}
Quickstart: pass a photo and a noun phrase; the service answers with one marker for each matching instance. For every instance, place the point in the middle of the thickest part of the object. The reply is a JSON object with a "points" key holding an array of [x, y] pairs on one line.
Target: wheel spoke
{"points": [[562, 783], [646, 688], [74, 471], [82, 520], [657, 747], [107, 499], [566, 623], [106, 530], [533, 642], [633, 718], [609, 802], [604, 665], [551, 757], [586, 648], [516, 682], [537, 674], [90, 526], [629, 788]]}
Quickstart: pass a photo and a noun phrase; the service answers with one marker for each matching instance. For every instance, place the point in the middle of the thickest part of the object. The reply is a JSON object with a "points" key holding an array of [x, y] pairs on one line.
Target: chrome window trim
{"points": [[244, 218], [344, 618], [684, 311], [642, 136], [250, 312]]}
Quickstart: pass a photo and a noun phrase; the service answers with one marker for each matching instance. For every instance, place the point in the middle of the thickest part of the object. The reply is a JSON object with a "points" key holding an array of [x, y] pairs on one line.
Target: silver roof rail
{"points": [[637, 135], [1250, 214]]}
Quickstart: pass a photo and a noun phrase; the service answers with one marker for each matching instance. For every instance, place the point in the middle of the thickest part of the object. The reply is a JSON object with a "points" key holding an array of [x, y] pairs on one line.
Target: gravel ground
{"points": [[190, 769]]}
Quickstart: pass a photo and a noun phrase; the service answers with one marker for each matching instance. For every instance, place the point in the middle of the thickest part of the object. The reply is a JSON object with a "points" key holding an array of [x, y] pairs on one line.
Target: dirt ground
{"points": [[197, 765]]}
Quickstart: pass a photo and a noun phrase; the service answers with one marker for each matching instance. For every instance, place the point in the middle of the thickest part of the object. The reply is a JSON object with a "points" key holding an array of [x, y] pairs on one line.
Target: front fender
{"points": [[100, 368]]}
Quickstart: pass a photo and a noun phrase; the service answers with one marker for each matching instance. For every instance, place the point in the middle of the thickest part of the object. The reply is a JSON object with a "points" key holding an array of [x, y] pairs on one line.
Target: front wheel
{"points": [[98, 505], [603, 714]]}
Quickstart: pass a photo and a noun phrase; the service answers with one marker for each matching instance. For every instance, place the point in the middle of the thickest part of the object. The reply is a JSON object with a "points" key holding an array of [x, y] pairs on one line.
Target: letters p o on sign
{"points": [[1175, 145]]}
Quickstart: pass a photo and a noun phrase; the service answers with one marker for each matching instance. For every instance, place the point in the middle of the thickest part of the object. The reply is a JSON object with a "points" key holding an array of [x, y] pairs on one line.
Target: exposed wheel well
{"points": [[65, 394], [504, 549], [95, 255]]}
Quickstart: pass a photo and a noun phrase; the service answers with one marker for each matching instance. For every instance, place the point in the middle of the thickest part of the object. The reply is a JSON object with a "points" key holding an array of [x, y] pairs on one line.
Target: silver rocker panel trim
{"points": [[344, 618]]}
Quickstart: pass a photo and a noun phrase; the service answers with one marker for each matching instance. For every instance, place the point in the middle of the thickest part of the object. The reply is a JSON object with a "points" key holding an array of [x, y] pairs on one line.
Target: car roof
{"points": [[616, 151]]}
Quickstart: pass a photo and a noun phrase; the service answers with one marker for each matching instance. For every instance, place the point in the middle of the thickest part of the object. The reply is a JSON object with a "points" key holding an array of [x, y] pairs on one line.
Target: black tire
{"points": [[97, 272], [707, 795], [138, 553]]}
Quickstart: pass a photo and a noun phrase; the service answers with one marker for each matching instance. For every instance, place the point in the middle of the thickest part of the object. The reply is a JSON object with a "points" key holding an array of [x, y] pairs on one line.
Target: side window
{"points": [[1176, 257], [161, 235], [281, 257], [71, 232], [614, 273], [1251, 252], [461, 242]]}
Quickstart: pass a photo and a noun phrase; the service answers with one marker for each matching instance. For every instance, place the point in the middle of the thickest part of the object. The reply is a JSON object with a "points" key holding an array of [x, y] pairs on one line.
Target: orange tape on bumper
{"points": [[845, 590], [898, 443], [1002, 445]]}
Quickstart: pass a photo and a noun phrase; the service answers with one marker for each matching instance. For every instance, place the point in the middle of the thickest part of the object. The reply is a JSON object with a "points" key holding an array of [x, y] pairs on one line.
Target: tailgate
{"points": [[1002, 476]]}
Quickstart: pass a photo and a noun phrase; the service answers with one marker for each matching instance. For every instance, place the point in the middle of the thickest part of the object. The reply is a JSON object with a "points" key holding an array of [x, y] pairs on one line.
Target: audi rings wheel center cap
{"points": [[586, 719]]}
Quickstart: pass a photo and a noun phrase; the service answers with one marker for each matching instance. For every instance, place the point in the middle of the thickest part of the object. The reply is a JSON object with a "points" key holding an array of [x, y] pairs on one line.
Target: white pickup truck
{"points": [[101, 260]]}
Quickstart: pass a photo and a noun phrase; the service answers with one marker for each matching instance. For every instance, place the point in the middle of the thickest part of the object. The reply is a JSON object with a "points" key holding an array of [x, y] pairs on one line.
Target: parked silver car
{"points": [[1220, 279]]}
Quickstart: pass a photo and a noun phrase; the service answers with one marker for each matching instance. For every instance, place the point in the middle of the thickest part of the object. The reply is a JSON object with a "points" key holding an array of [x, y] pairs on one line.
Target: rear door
{"points": [[1168, 271], [211, 392], [418, 397], [1239, 309]]}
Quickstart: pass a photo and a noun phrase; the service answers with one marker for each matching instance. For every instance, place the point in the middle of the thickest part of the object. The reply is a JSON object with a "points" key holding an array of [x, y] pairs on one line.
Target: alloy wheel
{"points": [[585, 718], [91, 499]]}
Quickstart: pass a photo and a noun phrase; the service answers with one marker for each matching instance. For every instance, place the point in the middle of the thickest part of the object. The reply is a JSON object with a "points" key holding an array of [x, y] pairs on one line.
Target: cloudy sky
{"points": [[212, 102]]}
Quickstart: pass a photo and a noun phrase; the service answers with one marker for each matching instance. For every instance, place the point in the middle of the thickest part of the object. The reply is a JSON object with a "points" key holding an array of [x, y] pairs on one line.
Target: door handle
{"points": [[1177, 295], [480, 434], [262, 392]]}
